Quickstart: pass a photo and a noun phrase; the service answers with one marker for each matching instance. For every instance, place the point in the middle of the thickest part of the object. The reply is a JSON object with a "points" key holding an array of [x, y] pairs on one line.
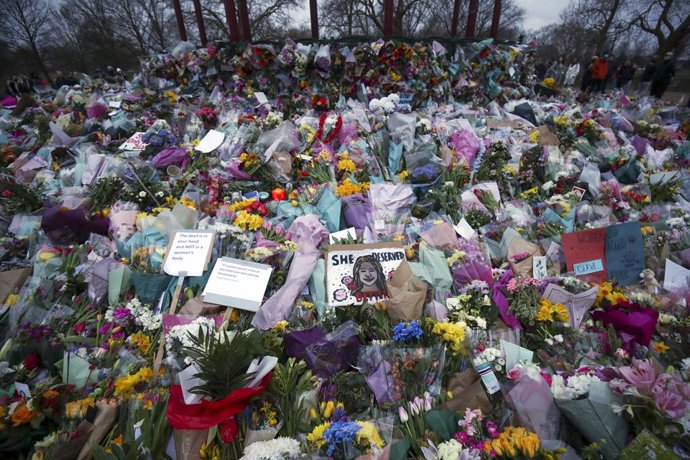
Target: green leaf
{"points": [[443, 423], [399, 450]]}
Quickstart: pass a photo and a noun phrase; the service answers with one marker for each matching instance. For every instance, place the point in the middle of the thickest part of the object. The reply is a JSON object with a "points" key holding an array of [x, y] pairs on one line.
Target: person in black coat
{"points": [[626, 72], [663, 76]]}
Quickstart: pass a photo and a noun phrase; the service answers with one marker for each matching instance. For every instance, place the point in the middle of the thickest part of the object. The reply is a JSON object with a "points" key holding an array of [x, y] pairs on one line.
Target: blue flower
{"points": [[405, 332], [340, 433]]}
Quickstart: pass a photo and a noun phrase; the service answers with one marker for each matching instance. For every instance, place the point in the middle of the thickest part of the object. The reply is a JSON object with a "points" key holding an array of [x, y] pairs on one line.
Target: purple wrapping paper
{"points": [[308, 233], [98, 285], [170, 156], [640, 144], [466, 144], [356, 210], [501, 301], [97, 111], [335, 352], [65, 226], [296, 342]]}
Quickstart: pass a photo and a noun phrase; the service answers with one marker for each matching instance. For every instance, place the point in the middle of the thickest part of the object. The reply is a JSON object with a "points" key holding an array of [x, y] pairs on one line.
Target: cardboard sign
{"points": [[357, 273], [134, 143], [237, 283], [585, 254], [189, 252], [625, 253]]}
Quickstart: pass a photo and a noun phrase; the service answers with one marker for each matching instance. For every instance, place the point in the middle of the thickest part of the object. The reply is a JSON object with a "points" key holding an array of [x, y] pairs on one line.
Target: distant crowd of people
{"points": [[18, 85], [655, 77]]}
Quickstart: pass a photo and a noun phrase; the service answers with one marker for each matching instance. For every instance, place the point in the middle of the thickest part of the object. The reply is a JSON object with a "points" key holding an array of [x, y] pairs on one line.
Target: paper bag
{"points": [[468, 392], [407, 294], [517, 246]]}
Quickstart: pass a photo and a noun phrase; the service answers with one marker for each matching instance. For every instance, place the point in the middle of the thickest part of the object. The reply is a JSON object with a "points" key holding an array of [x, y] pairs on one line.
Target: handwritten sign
{"points": [[237, 283], [625, 253], [190, 252], [134, 143], [404, 103], [585, 254], [357, 273]]}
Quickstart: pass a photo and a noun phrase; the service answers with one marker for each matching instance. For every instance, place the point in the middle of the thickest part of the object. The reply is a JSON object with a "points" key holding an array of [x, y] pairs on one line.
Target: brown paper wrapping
{"points": [[105, 417], [468, 392], [70, 449], [407, 294], [188, 443], [197, 307], [524, 267], [11, 281], [546, 137]]}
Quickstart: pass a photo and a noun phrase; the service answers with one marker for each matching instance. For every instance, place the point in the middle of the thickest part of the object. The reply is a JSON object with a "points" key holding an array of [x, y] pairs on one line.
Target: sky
{"points": [[540, 13]]}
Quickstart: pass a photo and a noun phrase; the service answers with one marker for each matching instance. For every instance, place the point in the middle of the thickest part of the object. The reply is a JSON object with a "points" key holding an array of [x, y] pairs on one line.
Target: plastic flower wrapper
{"points": [[329, 207], [520, 254], [357, 211], [123, 220], [391, 203], [307, 233], [465, 143], [440, 236], [436, 271], [334, 352], [65, 226], [531, 398], [594, 416], [594, 215], [424, 167], [397, 373], [349, 440]]}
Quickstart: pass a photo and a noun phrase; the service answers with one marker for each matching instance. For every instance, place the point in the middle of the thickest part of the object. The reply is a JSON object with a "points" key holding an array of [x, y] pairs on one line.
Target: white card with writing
{"points": [[237, 283], [211, 141], [465, 230], [114, 104], [539, 267], [134, 143], [261, 97], [189, 252], [23, 390], [676, 276]]}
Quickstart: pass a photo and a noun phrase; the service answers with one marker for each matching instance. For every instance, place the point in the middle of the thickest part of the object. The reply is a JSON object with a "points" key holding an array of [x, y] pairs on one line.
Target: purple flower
{"points": [[670, 404], [122, 313], [461, 437], [642, 375]]}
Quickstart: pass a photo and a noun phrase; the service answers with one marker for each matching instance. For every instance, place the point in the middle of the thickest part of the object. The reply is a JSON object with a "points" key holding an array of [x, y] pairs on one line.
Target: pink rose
{"points": [[516, 373]]}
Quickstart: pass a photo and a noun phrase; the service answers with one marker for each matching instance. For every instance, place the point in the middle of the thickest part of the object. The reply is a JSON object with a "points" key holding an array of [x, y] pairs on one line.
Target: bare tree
{"points": [[268, 19], [668, 21], [26, 25]]}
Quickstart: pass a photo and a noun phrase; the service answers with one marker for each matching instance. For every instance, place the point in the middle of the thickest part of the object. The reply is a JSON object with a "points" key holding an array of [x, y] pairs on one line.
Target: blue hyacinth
{"points": [[405, 332], [340, 433]]}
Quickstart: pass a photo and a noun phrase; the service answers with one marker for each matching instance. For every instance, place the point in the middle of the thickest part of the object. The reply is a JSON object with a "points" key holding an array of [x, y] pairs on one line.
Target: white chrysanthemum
{"points": [[449, 450], [275, 449]]}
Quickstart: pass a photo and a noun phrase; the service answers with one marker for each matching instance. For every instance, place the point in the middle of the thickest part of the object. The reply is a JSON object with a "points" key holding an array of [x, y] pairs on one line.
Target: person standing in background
{"points": [[646, 77], [663, 76], [587, 81], [600, 71], [626, 72], [572, 72]]}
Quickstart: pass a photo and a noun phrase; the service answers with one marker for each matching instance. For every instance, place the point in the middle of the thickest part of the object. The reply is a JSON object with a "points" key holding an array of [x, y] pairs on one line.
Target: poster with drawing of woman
{"points": [[358, 273]]}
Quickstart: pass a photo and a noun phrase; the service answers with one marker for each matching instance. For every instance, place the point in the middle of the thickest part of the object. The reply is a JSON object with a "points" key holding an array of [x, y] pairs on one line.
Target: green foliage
{"points": [[222, 361]]}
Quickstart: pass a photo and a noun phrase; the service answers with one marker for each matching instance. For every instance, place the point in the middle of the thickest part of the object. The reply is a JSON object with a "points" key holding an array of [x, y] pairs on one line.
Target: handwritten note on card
{"points": [[237, 283], [189, 253]]}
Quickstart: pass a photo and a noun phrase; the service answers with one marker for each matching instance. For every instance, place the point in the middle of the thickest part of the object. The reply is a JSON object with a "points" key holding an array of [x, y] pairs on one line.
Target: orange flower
{"points": [[22, 415]]}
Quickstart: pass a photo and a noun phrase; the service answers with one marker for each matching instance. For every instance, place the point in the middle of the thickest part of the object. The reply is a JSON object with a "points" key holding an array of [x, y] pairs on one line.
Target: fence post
{"points": [[314, 13], [472, 19], [496, 18], [387, 18], [200, 22], [244, 20], [180, 20], [231, 16]]}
